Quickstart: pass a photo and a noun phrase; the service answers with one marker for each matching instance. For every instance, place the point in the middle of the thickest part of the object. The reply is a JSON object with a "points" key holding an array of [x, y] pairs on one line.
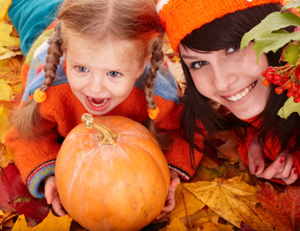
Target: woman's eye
{"points": [[232, 49], [114, 73], [197, 65], [82, 69]]}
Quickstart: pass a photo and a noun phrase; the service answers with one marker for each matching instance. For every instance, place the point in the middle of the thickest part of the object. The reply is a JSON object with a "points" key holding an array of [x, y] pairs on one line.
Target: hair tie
{"points": [[152, 113], [39, 96]]}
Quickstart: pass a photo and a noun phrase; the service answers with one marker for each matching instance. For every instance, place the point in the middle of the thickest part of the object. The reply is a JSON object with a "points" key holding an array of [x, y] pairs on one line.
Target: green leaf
{"points": [[291, 53], [274, 41], [273, 22], [288, 108], [292, 4]]}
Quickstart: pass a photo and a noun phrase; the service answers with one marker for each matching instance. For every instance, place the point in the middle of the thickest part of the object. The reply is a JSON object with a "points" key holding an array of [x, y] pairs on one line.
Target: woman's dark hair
{"points": [[224, 33]]}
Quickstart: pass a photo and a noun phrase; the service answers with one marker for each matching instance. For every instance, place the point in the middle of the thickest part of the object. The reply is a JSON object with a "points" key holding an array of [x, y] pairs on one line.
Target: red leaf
{"points": [[14, 196]]}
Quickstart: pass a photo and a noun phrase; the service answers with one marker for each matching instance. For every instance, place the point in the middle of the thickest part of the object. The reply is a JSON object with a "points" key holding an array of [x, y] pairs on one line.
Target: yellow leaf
{"points": [[6, 216], [186, 203], [6, 53], [50, 223], [232, 199], [5, 39], [176, 225], [4, 5], [5, 90], [4, 123]]}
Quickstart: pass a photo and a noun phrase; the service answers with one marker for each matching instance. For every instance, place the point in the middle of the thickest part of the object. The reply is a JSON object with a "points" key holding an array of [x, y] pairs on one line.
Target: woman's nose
{"points": [[224, 75]]}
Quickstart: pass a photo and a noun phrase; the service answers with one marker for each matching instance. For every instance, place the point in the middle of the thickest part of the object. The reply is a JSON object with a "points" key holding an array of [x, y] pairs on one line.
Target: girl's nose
{"points": [[97, 85]]}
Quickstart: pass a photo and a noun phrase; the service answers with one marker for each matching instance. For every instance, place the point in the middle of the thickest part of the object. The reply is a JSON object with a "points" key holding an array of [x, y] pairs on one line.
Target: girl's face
{"points": [[230, 77], [101, 77]]}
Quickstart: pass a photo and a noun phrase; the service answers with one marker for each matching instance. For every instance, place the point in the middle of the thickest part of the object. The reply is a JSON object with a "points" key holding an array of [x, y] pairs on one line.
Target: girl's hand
{"points": [[281, 168], [52, 196], [170, 201]]}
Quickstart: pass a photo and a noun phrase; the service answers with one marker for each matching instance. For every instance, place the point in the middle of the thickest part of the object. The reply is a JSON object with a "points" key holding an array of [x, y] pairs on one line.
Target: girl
{"points": [[207, 35], [95, 60]]}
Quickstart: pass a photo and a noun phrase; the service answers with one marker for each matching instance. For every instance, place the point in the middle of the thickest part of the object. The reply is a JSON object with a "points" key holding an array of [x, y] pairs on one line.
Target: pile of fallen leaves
{"points": [[222, 195]]}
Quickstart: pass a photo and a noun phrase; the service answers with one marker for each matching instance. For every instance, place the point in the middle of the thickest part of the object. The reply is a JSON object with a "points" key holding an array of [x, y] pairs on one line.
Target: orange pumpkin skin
{"points": [[112, 187]]}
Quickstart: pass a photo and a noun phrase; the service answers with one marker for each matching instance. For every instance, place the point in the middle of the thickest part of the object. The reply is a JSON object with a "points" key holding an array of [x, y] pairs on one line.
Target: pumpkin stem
{"points": [[107, 136]]}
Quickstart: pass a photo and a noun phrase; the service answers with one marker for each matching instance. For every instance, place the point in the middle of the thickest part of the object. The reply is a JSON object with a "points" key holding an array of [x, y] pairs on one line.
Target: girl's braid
{"points": [[164, 139], [27, 119], [53, 58], [156, 60]]}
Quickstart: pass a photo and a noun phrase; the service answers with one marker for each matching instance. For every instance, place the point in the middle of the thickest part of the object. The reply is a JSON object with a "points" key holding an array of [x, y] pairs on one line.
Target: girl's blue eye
{"points": [[82, 69], [198, 64], [232, 49], [114, 73]]}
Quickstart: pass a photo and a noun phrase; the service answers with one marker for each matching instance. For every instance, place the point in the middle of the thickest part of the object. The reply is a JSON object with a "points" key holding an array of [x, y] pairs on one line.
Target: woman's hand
{"points": [[170, 201], [281, 168], [52, 196]]}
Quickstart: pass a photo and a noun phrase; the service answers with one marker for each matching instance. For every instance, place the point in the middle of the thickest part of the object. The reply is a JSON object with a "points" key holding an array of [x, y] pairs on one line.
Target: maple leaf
{"points": [[232, 199], [4, 5], [50, 223], [283, 208], [15, 197]]}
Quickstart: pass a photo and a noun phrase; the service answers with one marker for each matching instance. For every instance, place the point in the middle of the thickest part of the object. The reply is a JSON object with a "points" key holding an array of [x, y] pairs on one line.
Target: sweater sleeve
{"points": [[35, 159], [31, 18]]}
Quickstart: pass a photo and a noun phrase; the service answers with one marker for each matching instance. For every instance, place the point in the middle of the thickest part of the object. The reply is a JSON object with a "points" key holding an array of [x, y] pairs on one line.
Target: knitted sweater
{"points": [[62, 111]]}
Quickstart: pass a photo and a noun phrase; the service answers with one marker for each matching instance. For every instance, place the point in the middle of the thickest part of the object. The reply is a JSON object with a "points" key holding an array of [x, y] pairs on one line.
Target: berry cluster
{"points": [[286, 77]]}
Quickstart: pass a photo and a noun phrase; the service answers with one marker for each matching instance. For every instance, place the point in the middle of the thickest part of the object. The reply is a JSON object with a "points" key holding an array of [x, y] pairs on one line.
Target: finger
{"points": [[57, 207], [286, 171], [276, 167], [161, 215], [256, 163], [293, 177], [49, 192], [175, 182]]}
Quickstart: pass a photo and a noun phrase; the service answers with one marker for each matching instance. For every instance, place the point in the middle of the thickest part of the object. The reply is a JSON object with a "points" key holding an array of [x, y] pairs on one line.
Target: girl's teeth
{"points": [[97, 104], [242, 94]]}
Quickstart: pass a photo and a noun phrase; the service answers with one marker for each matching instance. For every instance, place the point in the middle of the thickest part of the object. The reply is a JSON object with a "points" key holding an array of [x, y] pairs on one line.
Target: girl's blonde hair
{"points": [[128, 20]]}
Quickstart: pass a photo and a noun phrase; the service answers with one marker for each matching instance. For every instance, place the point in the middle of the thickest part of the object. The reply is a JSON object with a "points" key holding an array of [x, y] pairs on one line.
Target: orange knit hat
{"points": [[181, 17]]}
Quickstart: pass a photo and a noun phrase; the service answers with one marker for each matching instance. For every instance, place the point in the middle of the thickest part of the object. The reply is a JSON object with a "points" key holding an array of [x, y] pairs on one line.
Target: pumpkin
{"points": [[111, 174]]}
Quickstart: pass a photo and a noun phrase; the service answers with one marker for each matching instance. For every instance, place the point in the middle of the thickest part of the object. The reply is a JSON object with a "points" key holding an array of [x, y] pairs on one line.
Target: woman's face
{"points": [[230, 77]]}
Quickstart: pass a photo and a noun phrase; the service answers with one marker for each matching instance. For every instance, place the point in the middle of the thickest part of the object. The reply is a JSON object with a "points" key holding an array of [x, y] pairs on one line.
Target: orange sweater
{"points": [[62, 111]]}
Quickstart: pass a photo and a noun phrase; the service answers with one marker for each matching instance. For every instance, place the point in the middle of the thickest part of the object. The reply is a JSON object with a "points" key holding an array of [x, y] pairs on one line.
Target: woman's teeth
{"points": [[241, 94], [97, 103]]}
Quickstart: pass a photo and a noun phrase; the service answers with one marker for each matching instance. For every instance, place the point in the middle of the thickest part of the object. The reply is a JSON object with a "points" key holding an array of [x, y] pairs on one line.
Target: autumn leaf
{"points": [[6, 40], [232, 199], [283, 208], [50, 223], [4, 5], [5, 219], [15, 197], [176, 225], [186, 203], [6, 156]]}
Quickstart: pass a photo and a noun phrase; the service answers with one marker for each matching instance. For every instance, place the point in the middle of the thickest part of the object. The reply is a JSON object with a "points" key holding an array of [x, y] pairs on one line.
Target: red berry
{"points": [[288, 85], [269, 77], [279, 90], [297, 73], [283, 81], [264, 73], [297, 99], [289, 94], [266, 83], [271, 69]]}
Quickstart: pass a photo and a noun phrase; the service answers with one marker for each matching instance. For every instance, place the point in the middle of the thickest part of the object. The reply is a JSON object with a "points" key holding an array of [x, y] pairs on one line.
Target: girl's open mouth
{"points": [[97, 104]]}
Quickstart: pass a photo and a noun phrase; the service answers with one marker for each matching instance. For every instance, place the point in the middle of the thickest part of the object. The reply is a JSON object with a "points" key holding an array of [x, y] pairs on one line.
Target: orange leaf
{"points": [[283, 208]]}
